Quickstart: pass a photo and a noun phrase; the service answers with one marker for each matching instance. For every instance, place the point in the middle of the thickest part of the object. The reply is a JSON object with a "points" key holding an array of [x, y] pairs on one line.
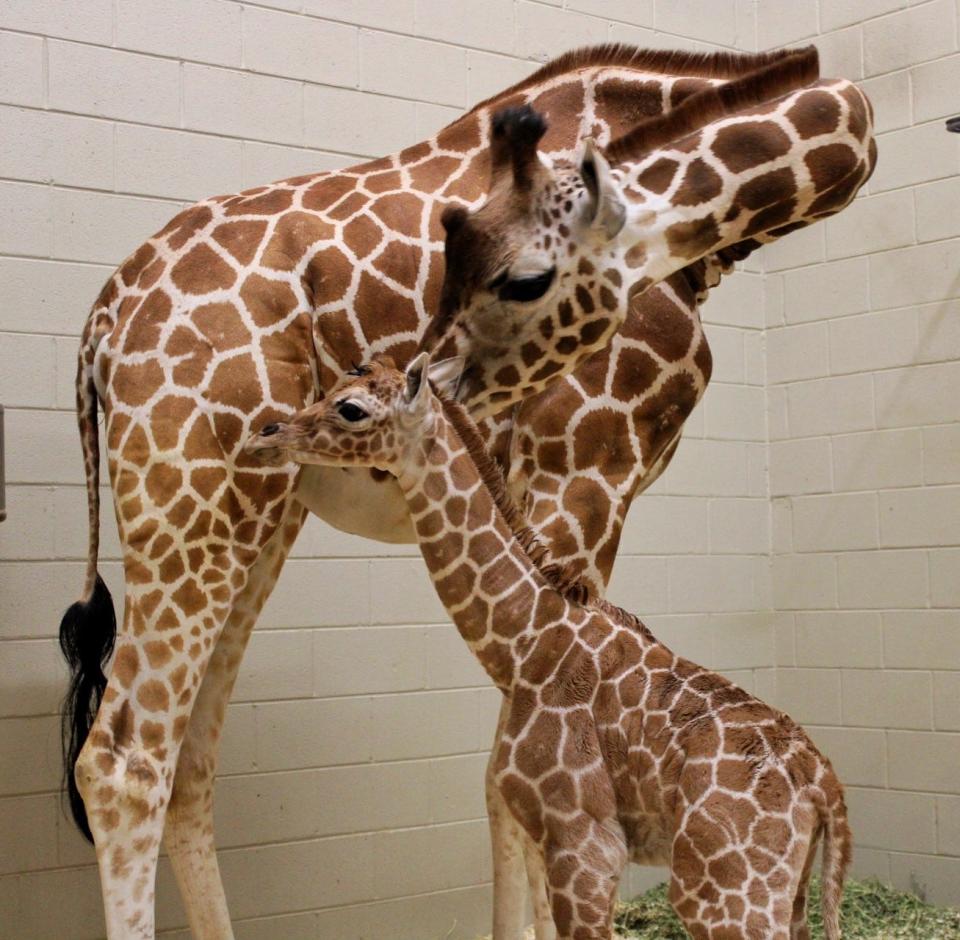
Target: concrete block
{"points": [[56, 148], [872, 223], [931, 83], [857, 755], [919, 760], [831, 406], [887, 698], [920, 517], [27, 371], [488, 74], [262, 163], [871, 580], [736, 413], [877, 460], [824, 292], [200, 30], [740, 526], [804, 582], [666, 525], [27, 226], [710, 583], [241, 104], [84, 20], [700, 19], [903, 39], [485, 26], [835, 523], [47, 296], [893, 819], [355, 123], [110, 83], [432, 71], [543, 31], [354, 661], [917, 396], [921, 639], [809, 696], [21, 69], [178, 165], [940, 448], [798, 467], [299, 47], [104, 228], [798, 352]]}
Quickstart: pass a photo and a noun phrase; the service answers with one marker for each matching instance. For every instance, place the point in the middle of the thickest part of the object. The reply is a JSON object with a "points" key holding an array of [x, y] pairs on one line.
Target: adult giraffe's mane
{"points": [[773, 79], [562, 578], [718, 65]]}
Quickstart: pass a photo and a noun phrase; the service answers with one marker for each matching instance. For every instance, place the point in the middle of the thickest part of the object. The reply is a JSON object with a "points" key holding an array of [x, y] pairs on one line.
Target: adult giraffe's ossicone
{"points": [[240, 312]]}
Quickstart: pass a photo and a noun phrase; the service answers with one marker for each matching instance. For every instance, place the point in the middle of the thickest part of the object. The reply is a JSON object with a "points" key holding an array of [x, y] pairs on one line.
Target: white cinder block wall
{"points": [[350, 800], [863, 394]]}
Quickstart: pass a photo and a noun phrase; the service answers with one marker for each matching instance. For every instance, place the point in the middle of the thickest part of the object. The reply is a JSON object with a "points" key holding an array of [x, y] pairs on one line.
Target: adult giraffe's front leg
{"points": [[192, 533], [189, 835]]}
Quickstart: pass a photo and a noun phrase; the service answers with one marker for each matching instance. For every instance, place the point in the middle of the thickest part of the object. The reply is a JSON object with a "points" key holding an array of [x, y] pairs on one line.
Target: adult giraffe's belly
{"points": [[353, 501]]}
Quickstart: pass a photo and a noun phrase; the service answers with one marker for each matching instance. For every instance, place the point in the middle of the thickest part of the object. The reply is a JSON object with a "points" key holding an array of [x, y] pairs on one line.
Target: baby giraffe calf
{"points": [[613, 748]]}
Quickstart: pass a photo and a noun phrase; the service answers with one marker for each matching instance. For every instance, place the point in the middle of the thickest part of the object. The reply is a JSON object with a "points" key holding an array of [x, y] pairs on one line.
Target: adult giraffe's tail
{"points": [[837, 852], [89, 627]]}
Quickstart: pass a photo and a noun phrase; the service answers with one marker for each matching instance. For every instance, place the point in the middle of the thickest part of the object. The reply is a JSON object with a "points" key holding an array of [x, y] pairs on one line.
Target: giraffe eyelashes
{"points": [[350, 411], [523, 289]]}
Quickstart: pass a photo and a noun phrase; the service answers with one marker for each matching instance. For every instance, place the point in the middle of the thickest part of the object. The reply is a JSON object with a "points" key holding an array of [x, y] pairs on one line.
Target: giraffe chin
{"points": [[268, 449], [272, 457]]}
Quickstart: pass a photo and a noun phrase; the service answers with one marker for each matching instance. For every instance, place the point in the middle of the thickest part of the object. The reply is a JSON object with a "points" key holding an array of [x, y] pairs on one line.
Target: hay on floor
{"points": [[870, 911]]}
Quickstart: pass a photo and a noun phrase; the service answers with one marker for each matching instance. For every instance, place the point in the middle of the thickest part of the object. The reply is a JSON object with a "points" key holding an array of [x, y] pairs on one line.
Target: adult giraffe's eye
{"points": [[350, 411], [524, 289]]}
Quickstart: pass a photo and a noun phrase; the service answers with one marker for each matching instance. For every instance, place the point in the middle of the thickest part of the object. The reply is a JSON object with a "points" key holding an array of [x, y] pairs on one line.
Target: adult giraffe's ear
{"points": [[608, 212], [415, 392], [445, 375]]}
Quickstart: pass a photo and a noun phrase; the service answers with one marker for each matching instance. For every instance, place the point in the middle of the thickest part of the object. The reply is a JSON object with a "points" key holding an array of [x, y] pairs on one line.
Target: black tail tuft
{"points": [[87, 634]]}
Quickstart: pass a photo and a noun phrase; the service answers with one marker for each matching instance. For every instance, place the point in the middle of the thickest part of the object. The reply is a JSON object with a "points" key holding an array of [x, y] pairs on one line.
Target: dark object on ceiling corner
{"points": [[953, 124]]}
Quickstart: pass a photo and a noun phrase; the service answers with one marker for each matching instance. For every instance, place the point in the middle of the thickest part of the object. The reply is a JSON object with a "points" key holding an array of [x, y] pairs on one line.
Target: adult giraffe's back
{"points": [[244, 309]]}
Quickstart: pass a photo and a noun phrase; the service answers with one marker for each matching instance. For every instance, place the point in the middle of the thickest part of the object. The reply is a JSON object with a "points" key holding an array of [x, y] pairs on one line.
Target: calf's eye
{"points": [[350, 411]]}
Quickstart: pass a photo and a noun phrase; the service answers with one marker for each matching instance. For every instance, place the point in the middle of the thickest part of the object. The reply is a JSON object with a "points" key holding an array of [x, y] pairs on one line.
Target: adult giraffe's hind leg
{"points": [[189, 835], [191, 536]]}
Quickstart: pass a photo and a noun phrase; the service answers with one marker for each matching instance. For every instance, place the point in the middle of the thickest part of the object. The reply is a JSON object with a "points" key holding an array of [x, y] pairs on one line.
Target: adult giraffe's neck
{"points": [[485, 564], [740, 181]]}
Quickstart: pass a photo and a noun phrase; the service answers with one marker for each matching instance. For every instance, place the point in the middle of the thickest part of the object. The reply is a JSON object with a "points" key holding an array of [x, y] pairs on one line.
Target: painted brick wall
{"points": [[350, 800], [863, 343]]}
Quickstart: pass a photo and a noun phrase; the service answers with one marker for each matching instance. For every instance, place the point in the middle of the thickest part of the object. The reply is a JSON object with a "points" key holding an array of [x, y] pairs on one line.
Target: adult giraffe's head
{"points": [[376, 418], [522, 296], [540, 276]]}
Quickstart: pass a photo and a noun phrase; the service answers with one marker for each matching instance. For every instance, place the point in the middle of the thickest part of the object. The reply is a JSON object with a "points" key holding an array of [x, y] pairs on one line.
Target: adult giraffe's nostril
{"points": [[269, 430]]}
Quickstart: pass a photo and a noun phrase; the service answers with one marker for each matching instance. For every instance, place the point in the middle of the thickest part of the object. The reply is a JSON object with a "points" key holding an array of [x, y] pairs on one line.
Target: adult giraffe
{"points": [[242, 310]]}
